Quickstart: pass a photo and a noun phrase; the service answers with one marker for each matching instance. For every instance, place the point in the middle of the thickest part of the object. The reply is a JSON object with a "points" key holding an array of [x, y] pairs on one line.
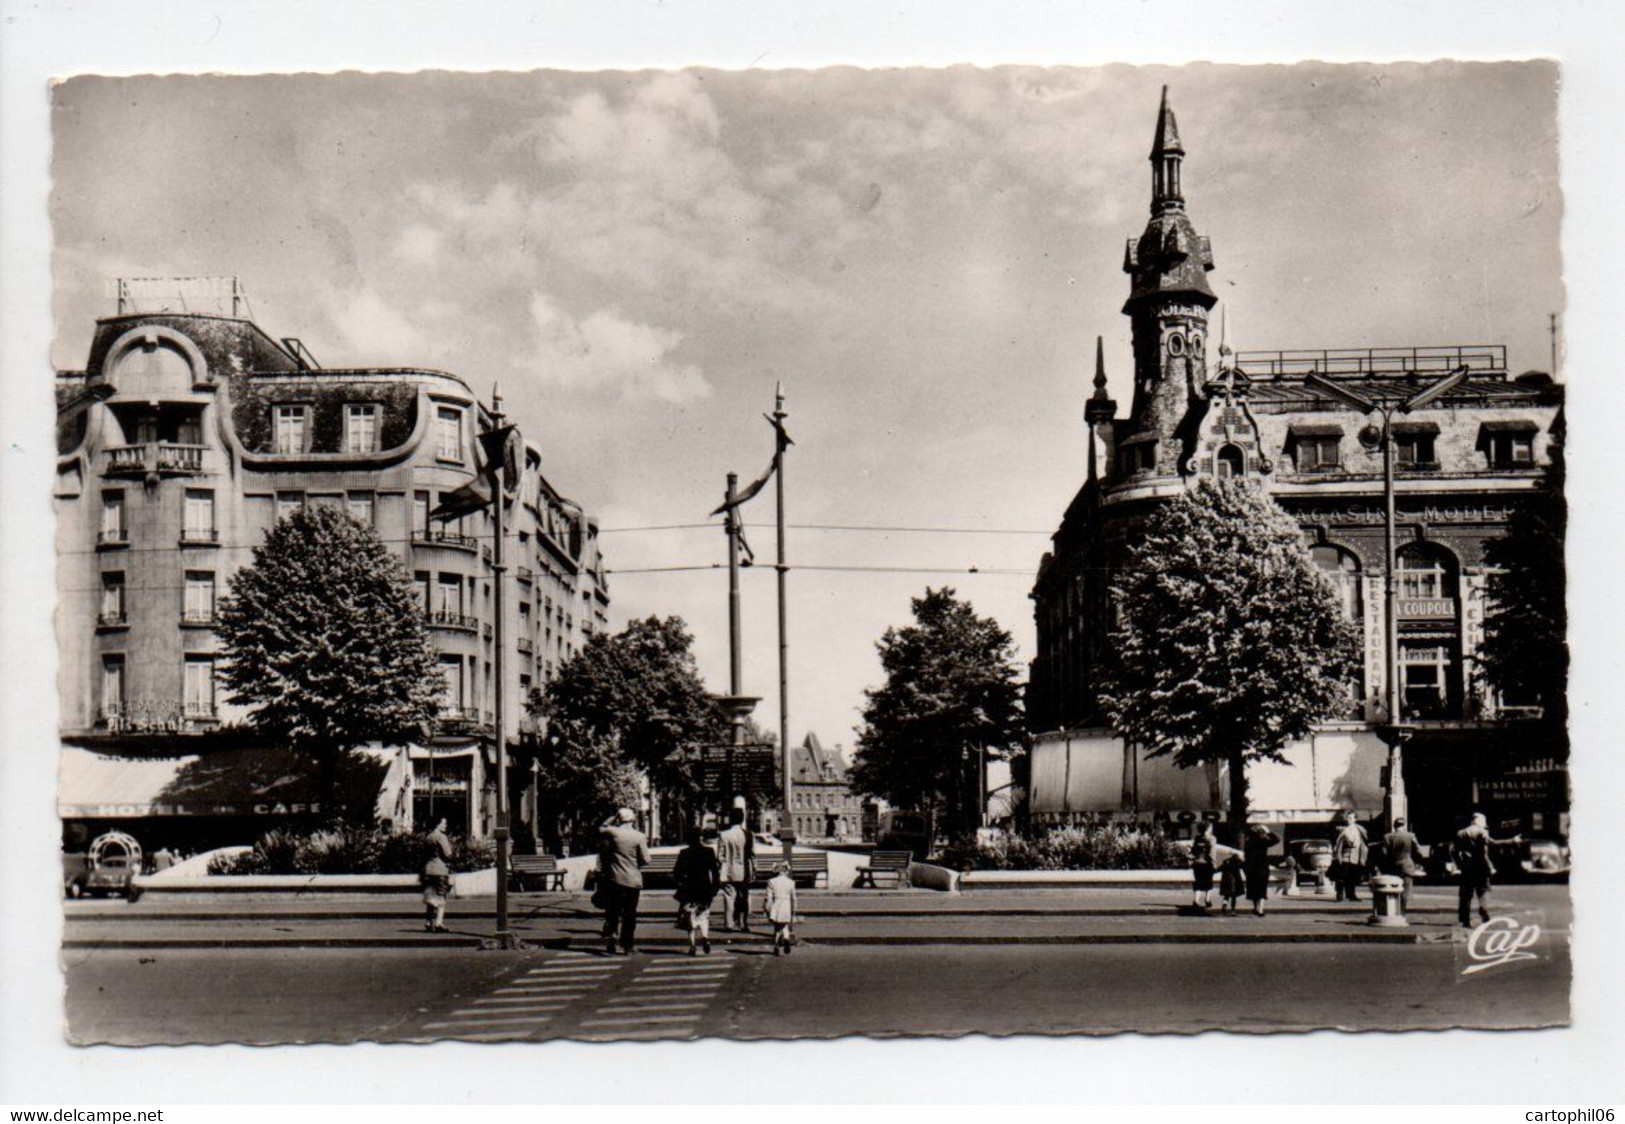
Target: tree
{"points": [[1230, 643], [951, 693], [1525, 654], [625, 703], [325, 643]]}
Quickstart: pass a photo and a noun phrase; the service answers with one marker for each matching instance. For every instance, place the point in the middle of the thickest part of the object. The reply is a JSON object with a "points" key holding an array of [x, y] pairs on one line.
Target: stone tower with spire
{"points": [[1168, 308]]}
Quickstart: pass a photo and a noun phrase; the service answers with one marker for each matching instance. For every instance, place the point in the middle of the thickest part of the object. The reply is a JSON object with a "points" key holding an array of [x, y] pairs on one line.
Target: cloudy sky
{"points": [[922, 257]]}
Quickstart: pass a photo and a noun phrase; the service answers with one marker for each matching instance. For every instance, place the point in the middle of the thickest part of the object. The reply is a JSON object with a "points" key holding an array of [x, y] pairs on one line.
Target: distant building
{"points": [[1465, 462], [825, 808], [182, 441]]}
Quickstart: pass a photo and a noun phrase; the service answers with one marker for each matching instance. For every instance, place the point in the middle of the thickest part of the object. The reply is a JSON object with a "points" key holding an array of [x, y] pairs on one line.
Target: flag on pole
{"points": [[781, 442], [500, 450]]}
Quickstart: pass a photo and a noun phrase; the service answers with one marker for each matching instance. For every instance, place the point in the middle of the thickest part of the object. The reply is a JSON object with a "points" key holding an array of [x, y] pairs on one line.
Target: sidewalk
{"points": [[1096, 916]]}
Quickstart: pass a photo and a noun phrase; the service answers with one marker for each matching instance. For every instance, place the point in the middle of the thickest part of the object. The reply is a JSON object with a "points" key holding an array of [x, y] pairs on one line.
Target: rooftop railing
{"points": [[1375, 362]]}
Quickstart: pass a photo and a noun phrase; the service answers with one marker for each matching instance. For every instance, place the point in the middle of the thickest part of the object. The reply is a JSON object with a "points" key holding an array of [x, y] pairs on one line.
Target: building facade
{"points": [[1465, 460], [184, 439], [825, 807]]}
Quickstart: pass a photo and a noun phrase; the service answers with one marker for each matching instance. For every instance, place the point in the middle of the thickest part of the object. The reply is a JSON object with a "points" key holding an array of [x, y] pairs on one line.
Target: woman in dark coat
{"points": [[698, 875], [1255, 851]]}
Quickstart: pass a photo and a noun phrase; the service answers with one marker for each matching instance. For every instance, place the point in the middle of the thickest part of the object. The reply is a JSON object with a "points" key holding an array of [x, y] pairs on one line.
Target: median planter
{"points": [[988, 880], [470, 884]]}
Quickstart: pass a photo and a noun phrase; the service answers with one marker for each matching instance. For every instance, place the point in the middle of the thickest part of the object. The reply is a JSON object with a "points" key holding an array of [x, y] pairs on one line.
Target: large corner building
{"points": [[182, 441], [1464, 464]]}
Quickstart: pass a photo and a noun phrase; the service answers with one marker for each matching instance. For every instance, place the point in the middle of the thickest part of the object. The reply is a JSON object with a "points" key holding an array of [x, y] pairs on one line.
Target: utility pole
{"points": [[787, 829], [1395, 733], [504, 936]]}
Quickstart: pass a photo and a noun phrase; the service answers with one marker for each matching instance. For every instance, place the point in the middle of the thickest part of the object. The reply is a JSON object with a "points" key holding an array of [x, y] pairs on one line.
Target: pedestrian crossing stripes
{"points": [[578, 993]]}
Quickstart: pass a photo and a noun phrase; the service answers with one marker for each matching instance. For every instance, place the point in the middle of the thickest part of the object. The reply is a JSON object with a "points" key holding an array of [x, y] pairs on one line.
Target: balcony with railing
{"points": [[114, 618], [455, 719], [162, 457], [527, 646], [525, 574], [451, 618], [200, 536], [113, 536], [441, 536], [197, 618]]}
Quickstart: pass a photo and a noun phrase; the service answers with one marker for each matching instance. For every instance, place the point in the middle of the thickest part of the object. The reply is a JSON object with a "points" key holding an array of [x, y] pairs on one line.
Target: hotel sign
{"points": [[124, 811]]}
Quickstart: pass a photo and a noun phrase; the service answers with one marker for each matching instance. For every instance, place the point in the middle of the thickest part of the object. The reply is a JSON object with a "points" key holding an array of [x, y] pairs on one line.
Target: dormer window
{"points": [[290, 429], [361, 428], [1229, 463], [1509, 444], [1316, 448], [1414, 446]]}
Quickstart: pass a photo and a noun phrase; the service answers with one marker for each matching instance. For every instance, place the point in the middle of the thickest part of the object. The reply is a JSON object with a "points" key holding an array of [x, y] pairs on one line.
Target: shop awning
{"points": [[232, 782]]}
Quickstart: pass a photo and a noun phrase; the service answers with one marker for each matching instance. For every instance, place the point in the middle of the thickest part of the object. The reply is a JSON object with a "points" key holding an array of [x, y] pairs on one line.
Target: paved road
{"points": [[342, 995]]}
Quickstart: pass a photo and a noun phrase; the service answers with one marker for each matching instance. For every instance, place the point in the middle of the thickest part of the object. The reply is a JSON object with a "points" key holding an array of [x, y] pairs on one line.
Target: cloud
{"points": [[418, 244], [606, 351], [375, 331]]}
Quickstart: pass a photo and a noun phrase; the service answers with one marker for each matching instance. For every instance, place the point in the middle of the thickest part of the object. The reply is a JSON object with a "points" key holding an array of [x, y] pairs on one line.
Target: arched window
{"points": [[1427, 572], [1343, 568], [1229, 463]]}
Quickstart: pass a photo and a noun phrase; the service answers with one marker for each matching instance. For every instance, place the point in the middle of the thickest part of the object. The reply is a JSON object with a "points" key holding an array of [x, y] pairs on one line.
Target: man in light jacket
{"points": [[735, 854], [1401, 856], [623, 852]]}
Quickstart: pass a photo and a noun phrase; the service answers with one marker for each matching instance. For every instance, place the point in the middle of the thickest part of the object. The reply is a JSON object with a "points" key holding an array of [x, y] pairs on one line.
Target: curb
{"points": [[119, 916], [557, 944]]}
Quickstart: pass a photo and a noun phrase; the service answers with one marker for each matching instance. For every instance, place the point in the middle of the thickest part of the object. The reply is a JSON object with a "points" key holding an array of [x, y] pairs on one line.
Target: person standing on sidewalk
{"points": [[1474, 869], [623, 852], [439, 840], [1256, 862], [1400, 858], [734, 852], [1351, 855], [436, 881], [1202, 867], [698, 876]]}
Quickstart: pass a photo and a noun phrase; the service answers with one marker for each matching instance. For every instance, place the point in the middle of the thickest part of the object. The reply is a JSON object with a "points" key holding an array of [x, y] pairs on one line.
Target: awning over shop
{"points": [[232, 782]]}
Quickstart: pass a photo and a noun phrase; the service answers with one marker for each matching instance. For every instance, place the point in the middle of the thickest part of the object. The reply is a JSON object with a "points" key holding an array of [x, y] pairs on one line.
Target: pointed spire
{"points": [[1167, 140], [1166, 154], [1100, 408]]}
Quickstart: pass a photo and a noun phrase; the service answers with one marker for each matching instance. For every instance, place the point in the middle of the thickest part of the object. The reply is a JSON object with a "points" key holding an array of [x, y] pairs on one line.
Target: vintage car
{"points": [[111, 864], [1515, 860]]}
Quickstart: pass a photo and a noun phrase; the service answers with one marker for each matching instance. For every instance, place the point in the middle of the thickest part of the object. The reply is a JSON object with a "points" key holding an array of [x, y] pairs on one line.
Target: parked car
{"points": [[1525, 860]]}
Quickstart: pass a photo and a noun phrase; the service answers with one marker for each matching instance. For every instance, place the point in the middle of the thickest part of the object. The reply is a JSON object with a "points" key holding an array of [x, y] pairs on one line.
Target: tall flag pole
{"points": [[787, 825], [500, 462]]}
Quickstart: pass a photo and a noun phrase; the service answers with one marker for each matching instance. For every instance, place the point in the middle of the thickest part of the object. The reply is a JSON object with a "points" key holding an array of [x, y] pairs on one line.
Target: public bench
{"points": [[540, 869], [806, 868], [892, 865]]}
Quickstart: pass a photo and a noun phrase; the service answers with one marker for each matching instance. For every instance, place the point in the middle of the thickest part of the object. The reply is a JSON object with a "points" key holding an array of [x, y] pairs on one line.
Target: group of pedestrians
{"points": [[1244, 871], [713, 864], [1248, 870]]}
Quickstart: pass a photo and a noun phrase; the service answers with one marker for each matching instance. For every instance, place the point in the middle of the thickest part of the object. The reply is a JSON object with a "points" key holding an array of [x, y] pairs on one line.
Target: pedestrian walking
{"points": [[736, 855], [439, 840], [623, 852], [1474, 868], [1401, 858], [1351, 856], [780, 908], [1202, 867], [1232, 875], [1256, 860], [436, 879], [698, 875]]}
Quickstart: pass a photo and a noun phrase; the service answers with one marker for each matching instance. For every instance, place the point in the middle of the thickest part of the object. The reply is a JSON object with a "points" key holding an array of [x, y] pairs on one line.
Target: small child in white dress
{"points": [[780, 907]]}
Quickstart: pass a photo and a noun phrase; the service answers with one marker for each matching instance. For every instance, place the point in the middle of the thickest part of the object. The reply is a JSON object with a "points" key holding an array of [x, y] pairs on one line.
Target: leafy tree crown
{"points": [[324, 639], [1229, 640]]}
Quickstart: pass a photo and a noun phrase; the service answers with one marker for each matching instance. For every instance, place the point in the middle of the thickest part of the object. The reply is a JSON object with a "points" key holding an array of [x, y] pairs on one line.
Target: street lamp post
{"points": [[1395, 733]]}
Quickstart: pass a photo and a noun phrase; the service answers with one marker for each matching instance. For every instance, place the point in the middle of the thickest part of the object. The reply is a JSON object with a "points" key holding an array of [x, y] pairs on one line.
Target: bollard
{"points": [[1386, 893]]}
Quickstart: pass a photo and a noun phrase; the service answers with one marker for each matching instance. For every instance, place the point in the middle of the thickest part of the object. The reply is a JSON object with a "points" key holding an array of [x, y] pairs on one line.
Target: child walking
{"points": [[780, 907]]}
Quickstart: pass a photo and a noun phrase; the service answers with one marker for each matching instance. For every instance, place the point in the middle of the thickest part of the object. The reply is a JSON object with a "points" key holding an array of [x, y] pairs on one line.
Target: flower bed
{"points": [[1106, 847], [349, 850]]}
